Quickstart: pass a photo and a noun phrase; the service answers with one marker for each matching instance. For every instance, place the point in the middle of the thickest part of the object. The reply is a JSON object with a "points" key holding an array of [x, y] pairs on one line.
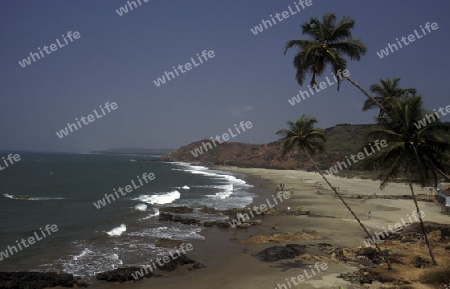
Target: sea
{"points": [[61, 189]]}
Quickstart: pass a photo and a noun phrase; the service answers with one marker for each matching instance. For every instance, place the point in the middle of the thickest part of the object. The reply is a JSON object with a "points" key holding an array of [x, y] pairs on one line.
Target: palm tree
{"points": [[414, 152], [304, 136], [384, 92], [331, 42]]}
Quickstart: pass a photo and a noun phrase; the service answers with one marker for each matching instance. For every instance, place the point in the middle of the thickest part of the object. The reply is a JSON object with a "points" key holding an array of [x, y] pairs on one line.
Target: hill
{"points": [[342, 140]]}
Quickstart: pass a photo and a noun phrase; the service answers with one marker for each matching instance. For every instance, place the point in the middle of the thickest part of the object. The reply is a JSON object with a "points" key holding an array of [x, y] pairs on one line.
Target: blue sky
{"points": [[117, 58]]}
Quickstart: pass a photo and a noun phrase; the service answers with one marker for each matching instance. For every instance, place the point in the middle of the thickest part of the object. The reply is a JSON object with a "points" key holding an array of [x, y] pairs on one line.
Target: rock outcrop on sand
{"points": [[35, 280], [276, 253], [126, 274]]}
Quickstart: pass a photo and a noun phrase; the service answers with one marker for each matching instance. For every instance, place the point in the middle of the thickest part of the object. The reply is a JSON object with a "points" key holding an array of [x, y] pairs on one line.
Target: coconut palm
{"points": [[330, 43], [384, 92], [302, 135], [416, 152]]}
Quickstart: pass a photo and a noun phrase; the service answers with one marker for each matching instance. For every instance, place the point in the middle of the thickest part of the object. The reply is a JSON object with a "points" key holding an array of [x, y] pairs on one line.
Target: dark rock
{"points": [[174, 263], [420, 262], [362, 276], [122, 274], [197, 265], [445, 233], [21, 197], [163, 216], [168, 243], [372, 255], [177, 210], [188, 221], [276, 253], [34, 280], [208, 224], [300, 249], [223, 225]]}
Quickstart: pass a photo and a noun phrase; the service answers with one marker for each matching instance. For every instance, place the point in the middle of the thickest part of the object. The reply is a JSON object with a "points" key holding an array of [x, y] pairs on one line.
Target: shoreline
{"points": [[227, 252]]}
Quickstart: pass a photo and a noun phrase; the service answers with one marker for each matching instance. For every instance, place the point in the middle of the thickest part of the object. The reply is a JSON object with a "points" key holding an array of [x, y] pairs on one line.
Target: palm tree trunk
{"points": [[365, 93], [443, 173], [420, 217], [351, 211]]}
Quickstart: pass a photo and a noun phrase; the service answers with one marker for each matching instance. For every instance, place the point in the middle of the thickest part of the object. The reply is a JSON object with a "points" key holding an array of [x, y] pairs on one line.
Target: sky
{"points": [[117, 59]]}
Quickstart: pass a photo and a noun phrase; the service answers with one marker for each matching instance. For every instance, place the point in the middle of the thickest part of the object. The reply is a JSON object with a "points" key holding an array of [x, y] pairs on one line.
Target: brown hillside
{"points": [[342, 140]]}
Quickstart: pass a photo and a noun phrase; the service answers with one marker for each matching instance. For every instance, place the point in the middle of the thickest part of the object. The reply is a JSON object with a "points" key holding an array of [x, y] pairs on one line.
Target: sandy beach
{"points": [[231, 265]]}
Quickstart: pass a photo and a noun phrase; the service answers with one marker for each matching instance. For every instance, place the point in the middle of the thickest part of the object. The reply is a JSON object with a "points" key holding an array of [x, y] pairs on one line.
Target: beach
{"points": [[228, 256]]}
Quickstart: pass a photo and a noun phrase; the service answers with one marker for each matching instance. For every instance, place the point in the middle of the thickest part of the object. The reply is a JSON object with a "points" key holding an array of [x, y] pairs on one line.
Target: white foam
{"points": [[185, 188], [200, 170], [84, 253], [140, 207], [165, 198], [17, 197], [117, 231], [176, 231], [155, 214], [221, 195], [228, 187], [90, 262]]}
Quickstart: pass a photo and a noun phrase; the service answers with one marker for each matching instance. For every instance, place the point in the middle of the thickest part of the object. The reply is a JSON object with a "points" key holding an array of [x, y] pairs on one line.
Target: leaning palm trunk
{"points": [[442, 173], [365, 92], [420, 218], [351, 211]]}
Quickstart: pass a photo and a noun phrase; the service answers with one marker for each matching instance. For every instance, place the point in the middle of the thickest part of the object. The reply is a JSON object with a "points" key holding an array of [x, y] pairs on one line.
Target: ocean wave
{"points": [[221, 195], [165, 198], [90, 262], [201, 170], [177, 231], [154, 214], [185, 188], [29, 198], [140, 207], [117, 231], [228, 187]]}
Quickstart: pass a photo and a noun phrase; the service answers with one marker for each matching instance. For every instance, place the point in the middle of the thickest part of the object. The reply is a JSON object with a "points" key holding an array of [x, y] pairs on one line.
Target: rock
{"points": [[276, 253], [223, 225], [177, 210], [188, 221], [197, 265], [420, 262], [208, 224], [121, 274], [244, 225], [35, 280], [174, 263], [300, 249], [168, 243], [361, 276], [163, 216], [274, 228], [256, 222], [445, 233], [21, 197], [372, 255]]}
